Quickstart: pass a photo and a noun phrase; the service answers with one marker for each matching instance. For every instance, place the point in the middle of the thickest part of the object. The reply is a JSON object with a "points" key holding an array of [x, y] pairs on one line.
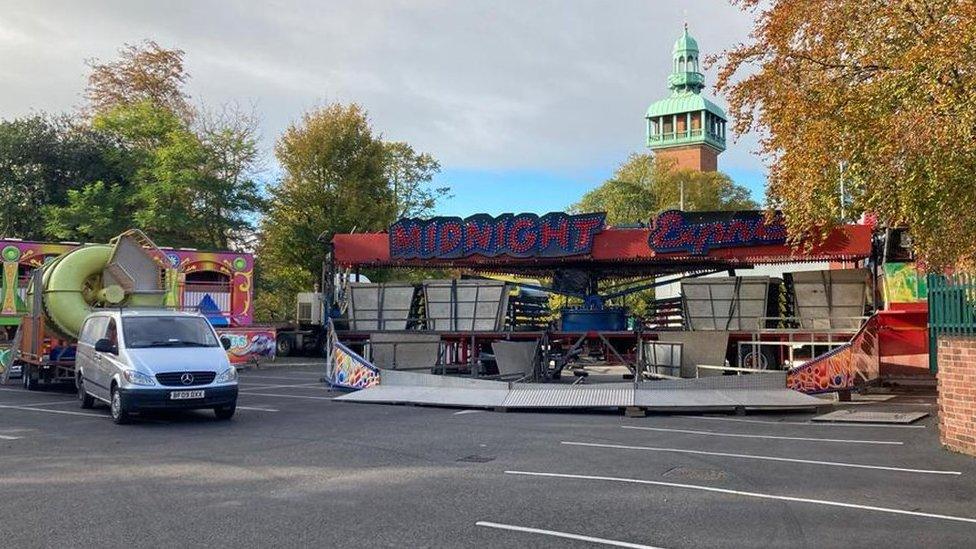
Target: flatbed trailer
{"points": [[40, 357]]}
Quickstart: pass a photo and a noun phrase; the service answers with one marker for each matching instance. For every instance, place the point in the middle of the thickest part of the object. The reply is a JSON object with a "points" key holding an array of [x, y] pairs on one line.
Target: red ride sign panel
{"points": [[698, 232], [517, 235]]}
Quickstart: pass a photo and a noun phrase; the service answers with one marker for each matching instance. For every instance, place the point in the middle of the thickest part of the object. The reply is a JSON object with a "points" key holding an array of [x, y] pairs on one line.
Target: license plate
{"points": [[183, 395]]}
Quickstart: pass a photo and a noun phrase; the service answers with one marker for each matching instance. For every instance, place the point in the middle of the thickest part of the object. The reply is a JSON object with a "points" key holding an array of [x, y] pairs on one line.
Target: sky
{"points": [[527, 104]]}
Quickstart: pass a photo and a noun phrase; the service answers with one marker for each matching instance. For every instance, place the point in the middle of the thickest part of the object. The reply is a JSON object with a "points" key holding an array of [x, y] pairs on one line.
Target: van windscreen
{"points": [[167, 331]]}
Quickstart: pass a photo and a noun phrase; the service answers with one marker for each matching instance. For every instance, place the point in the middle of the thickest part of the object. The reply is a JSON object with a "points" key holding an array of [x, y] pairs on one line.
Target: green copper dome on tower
{"points": [[686, 118]]}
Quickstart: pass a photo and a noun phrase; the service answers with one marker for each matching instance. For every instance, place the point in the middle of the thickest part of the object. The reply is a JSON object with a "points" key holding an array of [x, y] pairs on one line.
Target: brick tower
{"points": [[686, 127]]}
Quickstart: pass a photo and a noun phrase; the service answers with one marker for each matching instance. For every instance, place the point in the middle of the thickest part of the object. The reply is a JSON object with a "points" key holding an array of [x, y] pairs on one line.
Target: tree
{"points": [[410, 175], [143, 72], [885, 86], [182, 188], [334, 181], [94, 213], [229, 194], [43, 158], [643, 186], [167, 159]]}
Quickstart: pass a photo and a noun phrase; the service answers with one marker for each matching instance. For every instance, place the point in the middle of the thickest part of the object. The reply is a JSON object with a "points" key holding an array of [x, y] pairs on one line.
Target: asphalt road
{"points": [[294, 468]]}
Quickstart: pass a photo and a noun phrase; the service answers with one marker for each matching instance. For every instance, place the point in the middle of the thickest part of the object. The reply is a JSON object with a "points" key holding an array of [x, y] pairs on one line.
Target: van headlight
{"points": [[227, 376], [137, 378]]}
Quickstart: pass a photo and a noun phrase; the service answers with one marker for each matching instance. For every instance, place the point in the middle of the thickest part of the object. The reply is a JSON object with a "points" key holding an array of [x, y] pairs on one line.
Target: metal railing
{"points": [[952, 310]]}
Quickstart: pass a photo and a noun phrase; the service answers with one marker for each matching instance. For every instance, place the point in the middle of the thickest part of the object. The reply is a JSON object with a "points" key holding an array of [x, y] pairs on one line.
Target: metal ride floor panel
{"points": [[538, 395], [431, 396]]}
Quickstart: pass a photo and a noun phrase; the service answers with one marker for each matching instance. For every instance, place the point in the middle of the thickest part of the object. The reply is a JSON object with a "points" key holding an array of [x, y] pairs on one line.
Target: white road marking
{"points": [[257, 409], [750, 494], [764, 458], [53, 411], [287, 396], [462, 412], [739, 435], [805, 423], [6, 437], [54, 403], [309, 375], [566, 535], [263, 387]]}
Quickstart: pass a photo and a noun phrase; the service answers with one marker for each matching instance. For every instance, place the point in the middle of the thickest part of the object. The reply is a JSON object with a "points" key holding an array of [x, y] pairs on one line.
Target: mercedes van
{"points": [[140, 360]]}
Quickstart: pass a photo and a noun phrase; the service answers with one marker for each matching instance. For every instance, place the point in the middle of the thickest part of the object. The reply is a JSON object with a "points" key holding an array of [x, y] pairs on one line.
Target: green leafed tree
{"points": [[183, 186], [643, 186], [334, 181], [42, 159], [410, 175], [94, 213]]}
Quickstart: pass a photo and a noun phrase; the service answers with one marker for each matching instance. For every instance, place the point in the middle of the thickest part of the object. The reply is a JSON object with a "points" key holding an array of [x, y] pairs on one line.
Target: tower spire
{"points": [[685, 76]]}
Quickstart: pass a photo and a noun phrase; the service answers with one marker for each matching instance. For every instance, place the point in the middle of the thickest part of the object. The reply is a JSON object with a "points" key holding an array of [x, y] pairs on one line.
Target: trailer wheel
{"points": [[284, 345], [322, 346], [755, 360], [31, 380], [765, 359]]}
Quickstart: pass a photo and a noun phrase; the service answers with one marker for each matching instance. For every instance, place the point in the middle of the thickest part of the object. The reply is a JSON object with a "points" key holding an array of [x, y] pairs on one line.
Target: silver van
{"points": [[137, 360]]}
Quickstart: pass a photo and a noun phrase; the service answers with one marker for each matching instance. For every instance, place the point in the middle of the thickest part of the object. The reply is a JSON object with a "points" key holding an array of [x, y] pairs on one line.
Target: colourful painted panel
{"points": [[840, 369], [829, 372], [238, 268], [247, 345], [6, 353], [350, 370], [904, 284]]}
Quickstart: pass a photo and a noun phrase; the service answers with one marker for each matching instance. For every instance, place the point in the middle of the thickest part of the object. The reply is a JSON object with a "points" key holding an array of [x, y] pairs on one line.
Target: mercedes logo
{"points": [[186, 378]]}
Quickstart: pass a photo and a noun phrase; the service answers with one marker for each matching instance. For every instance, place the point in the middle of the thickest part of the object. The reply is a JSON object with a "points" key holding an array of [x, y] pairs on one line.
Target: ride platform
{"points": [[719, 393]]}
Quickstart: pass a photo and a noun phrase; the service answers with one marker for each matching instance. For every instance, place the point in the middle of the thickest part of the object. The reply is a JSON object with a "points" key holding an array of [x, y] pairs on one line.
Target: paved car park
{"points": [[294, 468]]}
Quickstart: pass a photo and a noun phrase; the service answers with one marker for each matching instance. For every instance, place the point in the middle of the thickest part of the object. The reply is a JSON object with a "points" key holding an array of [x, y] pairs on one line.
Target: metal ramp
{"points": [[760, 391]]}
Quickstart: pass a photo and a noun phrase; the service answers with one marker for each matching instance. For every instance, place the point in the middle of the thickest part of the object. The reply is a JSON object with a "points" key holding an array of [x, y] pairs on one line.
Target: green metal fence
{"points": [[952, 310]]}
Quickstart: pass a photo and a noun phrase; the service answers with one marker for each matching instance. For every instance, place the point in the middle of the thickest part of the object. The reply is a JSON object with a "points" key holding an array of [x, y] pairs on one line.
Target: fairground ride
{"points": [[721, 321]]}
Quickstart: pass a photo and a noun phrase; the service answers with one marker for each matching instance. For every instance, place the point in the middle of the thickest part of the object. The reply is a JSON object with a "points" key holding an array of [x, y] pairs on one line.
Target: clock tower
{"points": [[686, 127]]}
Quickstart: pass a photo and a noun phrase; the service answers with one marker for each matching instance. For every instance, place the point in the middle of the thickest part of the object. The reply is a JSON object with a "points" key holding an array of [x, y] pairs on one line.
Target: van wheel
{"points": [[120, 414], [225, 412], [87, 401]]}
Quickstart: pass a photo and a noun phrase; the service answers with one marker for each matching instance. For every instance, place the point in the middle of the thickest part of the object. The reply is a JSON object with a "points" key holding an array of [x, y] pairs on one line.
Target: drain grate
{"points": [[475, 458]]}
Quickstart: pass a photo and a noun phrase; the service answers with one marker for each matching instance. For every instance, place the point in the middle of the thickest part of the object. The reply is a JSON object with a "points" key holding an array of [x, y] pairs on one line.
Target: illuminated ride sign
{"points": [[516, 235], [697, 233]]}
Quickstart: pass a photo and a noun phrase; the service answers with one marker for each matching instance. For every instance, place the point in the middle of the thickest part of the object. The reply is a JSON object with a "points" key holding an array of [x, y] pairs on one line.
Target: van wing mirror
{"points": [[105, 346], [225, 343]]}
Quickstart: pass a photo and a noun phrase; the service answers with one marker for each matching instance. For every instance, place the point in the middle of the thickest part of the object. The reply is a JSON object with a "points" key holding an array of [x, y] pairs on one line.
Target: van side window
{"points": [[112, 333], [85, 332], [90, 333]]}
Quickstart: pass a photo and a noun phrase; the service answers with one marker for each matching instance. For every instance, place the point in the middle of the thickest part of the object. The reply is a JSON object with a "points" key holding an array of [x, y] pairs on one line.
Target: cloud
{"points": [[554, 85]]}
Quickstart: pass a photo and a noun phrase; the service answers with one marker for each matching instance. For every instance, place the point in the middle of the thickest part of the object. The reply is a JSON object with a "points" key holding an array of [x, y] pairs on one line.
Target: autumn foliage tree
{"points": [[142, 73], [886, 90]]}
